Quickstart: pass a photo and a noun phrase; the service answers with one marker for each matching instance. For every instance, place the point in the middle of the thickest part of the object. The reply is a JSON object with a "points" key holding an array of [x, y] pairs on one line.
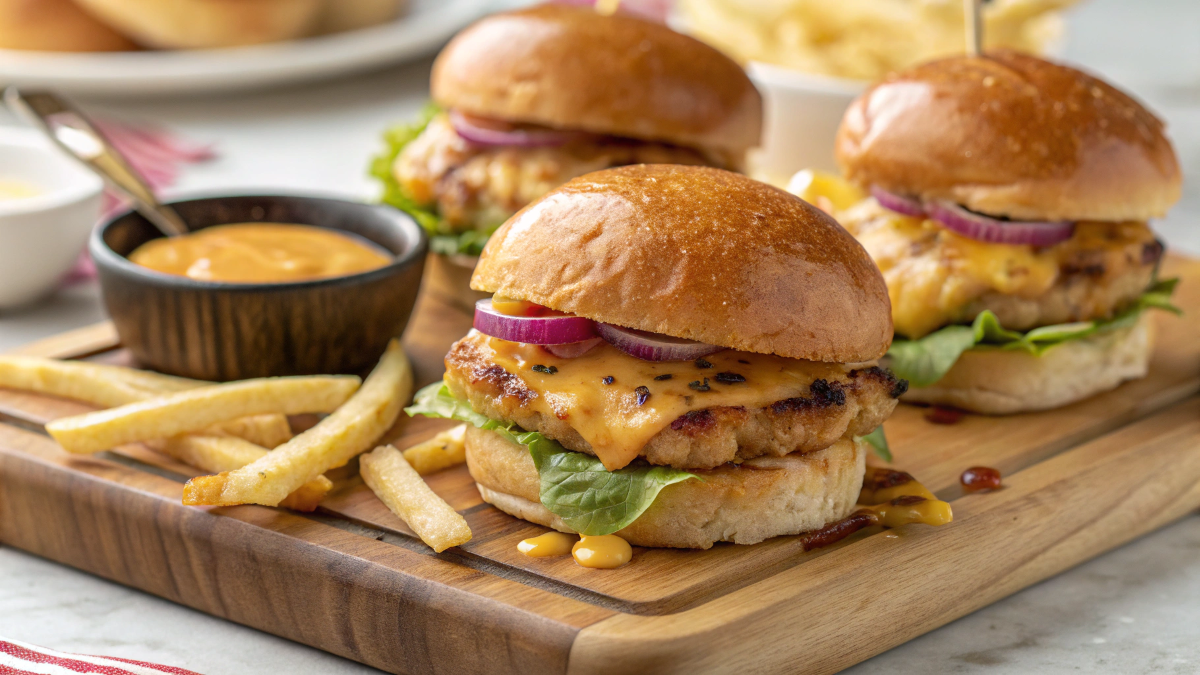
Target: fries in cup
{"points": [[404, 492]]}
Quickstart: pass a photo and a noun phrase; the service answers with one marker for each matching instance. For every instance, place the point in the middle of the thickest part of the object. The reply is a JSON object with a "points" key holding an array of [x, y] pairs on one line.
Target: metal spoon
{"points": [[72, 131]]}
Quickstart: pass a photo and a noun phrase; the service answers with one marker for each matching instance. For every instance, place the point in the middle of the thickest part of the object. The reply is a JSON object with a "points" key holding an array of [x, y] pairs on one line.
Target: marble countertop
{"points": [[1133, 610]]}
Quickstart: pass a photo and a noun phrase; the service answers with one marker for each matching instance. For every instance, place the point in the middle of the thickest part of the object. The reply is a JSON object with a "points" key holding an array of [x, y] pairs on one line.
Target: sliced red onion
{"points": [[652, 346], [573, 350], [982, 228], [477, 133], [535, 330], [905, 206]]}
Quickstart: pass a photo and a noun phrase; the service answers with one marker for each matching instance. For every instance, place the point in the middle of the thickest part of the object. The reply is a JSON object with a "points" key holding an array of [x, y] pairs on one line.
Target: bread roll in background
{"points": [[344, 15], [197, 24], [55, 26]]}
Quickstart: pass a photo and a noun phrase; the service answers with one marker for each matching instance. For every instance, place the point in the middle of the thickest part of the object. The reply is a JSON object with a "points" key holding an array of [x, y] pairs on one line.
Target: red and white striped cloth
{"points": [[19, 658], [157, 155]]}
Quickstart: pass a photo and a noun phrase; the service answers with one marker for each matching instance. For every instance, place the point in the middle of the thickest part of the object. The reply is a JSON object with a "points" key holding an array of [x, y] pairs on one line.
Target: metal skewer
{"points": [[71, 131], [973, 15]]}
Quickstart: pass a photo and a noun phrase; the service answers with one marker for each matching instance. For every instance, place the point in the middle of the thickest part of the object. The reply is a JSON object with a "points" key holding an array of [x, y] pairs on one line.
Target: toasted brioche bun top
{"points": [[569, 67], [696, 253], [1008, 134]]}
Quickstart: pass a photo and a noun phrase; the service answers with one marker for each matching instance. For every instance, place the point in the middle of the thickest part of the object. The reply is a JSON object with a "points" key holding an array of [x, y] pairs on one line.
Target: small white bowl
{"points": [[41, 236], [801, 118]]}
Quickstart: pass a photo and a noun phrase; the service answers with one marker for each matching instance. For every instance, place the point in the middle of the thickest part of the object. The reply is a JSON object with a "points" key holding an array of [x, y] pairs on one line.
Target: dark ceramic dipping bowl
{"points": [[232, 331]]}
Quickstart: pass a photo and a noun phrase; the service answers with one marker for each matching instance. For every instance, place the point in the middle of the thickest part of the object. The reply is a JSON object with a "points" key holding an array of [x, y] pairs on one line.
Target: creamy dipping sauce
{"points": [[13, 189], [260, 253]]}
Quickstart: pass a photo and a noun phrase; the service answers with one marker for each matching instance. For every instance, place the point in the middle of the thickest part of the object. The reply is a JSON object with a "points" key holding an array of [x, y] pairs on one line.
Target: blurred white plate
{"points": [[425, 27]]}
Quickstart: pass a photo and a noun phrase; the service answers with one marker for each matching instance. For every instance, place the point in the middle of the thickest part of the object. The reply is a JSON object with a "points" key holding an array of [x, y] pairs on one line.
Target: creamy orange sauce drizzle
{"points": [[260, 253], [602, 552], [896, 499], [547, 545], [610, 417]]}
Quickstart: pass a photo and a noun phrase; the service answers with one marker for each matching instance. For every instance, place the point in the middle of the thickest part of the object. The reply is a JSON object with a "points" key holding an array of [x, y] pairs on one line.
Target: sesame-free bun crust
{"points": [[696, 253], [571, 68], [1011, 135], [197, 24], [55, 26], [744, 504], [997, 382]]}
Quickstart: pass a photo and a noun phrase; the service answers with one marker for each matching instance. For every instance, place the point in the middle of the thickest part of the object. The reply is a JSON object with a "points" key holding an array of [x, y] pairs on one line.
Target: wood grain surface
{"points": [[352, 579]]}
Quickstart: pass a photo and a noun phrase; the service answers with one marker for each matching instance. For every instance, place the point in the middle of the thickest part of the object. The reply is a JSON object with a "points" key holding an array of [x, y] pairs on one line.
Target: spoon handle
{"points": [[72, 131]]}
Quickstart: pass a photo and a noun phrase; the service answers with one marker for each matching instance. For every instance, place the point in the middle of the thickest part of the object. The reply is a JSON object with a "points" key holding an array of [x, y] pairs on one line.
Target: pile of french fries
{"points": [[240, 432]]}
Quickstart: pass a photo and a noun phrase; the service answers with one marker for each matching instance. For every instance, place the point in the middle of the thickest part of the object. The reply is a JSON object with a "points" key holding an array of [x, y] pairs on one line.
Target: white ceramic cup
{"points": [[801, 118], [41, 236]]}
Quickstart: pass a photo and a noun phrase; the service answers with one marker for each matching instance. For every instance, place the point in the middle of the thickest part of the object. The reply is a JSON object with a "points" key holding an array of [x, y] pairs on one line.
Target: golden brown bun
{"points": [[1011, 135], [569, 67], [996, 382], [55, 26], [344, 15], [196, 24], [745, 504], [696, 253]]}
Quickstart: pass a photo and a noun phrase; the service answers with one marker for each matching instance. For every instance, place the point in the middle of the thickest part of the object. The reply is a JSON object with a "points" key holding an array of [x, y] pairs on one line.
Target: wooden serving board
{"points": [[353, 580]]}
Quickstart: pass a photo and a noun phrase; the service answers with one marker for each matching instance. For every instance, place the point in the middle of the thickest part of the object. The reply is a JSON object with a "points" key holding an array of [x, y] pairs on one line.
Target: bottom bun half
{"points": [[745, 504], [996, 382]]}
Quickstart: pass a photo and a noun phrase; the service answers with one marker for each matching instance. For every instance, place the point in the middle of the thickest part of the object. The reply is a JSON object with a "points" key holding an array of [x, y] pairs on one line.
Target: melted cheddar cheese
{"points": [[618, 417], [933, 274]]}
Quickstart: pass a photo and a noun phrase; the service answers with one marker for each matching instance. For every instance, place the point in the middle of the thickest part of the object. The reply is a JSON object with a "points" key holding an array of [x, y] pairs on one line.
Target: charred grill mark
{"points": [[878, 479], [695, 421], [824, 394], [896, 386], [506, 383]]}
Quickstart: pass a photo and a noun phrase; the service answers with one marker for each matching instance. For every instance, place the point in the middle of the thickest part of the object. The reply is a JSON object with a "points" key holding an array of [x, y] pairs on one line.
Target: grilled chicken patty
{"points": [[936, 277], [833, 401], [476, 187]]}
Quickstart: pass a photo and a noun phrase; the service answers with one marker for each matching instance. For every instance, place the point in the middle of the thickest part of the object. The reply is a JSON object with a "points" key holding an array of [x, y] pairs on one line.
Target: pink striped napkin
{"points": [[19, 658], [157, 155]]}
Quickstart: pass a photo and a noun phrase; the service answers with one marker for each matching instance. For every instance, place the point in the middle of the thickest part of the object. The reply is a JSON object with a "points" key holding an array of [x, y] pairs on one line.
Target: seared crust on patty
{"points": [[855, 403]]}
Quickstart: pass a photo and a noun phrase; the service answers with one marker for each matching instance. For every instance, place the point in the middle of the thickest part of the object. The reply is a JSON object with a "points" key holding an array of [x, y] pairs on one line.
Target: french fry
{"points": [[443, 451], [228, 453], [267, 431], [198, 409], [110, 386], [404, 492], [93, 383], [335, 440]]}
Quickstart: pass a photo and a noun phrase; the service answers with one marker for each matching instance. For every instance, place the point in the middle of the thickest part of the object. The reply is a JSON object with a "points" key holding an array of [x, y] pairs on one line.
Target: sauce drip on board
{"points": [[260, 253], [547, 545], [603, 552], [980, 478], [889, 498]]}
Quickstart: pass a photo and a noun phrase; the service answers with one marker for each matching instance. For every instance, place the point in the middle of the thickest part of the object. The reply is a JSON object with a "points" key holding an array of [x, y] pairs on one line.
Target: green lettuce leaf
{"points": [[878, 443], [394, 140], [923, 362], [575, 486], [440, 239]]}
